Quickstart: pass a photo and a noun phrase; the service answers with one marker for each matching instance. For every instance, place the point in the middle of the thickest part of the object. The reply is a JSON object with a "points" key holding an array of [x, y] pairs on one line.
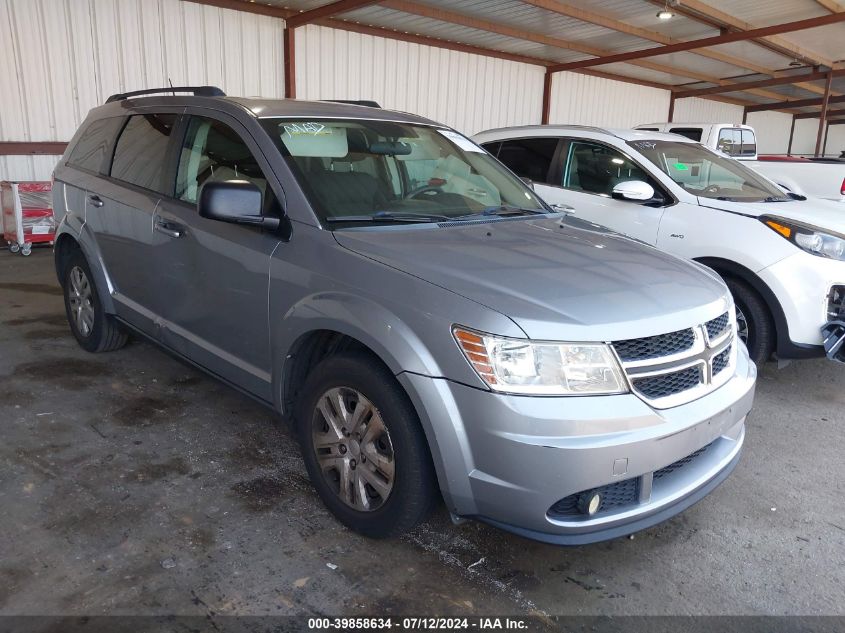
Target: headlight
{"points": [[808, 238], [547, 368]]}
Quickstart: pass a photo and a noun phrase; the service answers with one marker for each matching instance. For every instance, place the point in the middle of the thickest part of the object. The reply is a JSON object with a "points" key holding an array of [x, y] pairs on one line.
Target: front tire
{"points": [[754, 322], [363, 446], [94, 330]]}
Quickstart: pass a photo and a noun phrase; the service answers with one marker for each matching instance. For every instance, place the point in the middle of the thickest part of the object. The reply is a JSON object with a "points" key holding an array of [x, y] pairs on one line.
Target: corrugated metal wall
{"points": [[585, 100], [62, 57], [468, 92], [805, 138], [695, 110], [772, 131]]}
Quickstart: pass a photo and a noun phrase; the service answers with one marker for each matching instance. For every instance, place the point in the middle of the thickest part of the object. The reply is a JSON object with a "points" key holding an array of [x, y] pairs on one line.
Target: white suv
{"points": [[782, 255]]}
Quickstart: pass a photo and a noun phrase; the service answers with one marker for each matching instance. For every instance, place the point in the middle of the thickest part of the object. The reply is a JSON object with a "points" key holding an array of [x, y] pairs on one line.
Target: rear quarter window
{"points": [[91, 149], [529, 157], [139, 156], [692, 133]]}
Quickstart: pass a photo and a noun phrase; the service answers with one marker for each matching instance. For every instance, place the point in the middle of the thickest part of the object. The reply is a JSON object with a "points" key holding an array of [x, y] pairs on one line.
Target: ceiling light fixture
{"points": [[665, 14]]}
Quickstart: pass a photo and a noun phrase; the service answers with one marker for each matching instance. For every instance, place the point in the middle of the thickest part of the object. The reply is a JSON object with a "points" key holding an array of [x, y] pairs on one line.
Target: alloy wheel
{"points": [[81, 299], [353, 448], [741, 325]]}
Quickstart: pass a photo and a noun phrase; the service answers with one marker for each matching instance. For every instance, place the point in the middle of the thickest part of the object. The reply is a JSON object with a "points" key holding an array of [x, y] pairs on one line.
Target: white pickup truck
{"points": [[813, 177]]}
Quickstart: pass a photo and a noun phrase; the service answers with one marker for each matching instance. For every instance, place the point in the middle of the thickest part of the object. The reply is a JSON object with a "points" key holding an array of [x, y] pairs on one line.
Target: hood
{"points": [[825, 214], [556, 281]]}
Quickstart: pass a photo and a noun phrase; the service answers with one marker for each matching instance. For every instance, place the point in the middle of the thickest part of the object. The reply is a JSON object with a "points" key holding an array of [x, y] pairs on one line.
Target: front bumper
{"points": [[507, 460], [802, 284]]}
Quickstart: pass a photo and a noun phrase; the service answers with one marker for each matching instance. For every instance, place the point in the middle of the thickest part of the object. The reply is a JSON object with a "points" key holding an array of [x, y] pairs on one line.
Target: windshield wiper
{"points": [[389, 216], [501, 210], [778, 199]]}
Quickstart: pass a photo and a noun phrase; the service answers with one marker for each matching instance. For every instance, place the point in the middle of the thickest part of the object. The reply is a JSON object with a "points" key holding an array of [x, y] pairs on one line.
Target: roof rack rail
{"points": [[369, 104], [197, 91]]}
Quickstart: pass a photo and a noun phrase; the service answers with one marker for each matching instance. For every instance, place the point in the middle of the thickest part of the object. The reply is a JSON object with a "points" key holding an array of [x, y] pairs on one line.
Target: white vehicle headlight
{"points": [[808, 238], [541, 368]]}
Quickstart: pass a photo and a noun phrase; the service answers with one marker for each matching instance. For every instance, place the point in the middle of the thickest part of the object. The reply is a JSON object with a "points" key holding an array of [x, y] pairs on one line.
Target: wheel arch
{"points": [[67, 242], [315, 345], [733, 269]]}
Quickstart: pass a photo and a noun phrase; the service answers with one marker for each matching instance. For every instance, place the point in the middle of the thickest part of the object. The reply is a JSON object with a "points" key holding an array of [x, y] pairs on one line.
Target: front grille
{"points": [[836, 303], [681, 463], [663, 385], [671, 369], [616, 495], [716, 327], [636, 349], [721, 361]]}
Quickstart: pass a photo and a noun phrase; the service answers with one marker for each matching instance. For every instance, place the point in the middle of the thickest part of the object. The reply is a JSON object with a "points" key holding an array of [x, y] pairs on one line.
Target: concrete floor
{"points": [[132, 484]]}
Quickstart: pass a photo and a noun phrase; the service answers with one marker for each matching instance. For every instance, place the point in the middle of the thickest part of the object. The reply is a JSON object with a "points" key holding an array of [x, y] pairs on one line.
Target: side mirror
{"points": [[635, 190], [236, 202], [528, 182]]}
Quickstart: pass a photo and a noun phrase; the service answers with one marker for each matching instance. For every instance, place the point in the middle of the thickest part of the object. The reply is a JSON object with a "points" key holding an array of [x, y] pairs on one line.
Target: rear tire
{"points": [[753, 310], [363, 446], [94, 330]]}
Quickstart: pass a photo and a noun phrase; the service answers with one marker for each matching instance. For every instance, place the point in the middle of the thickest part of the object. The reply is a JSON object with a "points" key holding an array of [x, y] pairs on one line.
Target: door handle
{"points": [[170, 229], [95, 201]]}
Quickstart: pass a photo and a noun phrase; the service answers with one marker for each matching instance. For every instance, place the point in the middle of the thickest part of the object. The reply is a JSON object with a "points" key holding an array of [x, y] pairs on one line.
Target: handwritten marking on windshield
{"points": [[297, 129]]}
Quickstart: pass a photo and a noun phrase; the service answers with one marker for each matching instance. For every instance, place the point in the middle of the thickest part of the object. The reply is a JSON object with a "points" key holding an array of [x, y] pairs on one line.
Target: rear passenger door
{"points": [[213, 277], [533, 158], [119, 212]]}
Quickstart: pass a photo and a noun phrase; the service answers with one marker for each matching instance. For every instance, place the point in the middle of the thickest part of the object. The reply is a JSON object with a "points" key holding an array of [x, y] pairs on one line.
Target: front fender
{"points": [[360, 318]]}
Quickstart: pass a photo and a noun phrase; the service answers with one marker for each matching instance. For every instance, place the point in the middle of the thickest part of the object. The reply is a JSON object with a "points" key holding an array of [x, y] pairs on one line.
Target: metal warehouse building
{"points": [[474, 65]]}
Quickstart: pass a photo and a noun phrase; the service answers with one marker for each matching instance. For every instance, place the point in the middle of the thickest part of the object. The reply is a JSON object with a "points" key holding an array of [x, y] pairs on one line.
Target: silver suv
{"points": [[425, 321]]}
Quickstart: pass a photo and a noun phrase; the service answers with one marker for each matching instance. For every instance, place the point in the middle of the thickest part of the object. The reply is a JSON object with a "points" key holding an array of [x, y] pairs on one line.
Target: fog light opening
{"points": [[589, 503]]}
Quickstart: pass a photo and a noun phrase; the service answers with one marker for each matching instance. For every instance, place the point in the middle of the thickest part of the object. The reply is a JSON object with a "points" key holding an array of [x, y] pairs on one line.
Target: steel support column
{"points": [[290, 63], [823, 117], [791, 135], [547, 98]]}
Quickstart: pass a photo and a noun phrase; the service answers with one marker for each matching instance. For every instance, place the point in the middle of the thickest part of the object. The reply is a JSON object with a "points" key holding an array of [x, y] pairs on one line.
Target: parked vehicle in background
{"points": [[412, 306], [812, 177], [782, 257]]}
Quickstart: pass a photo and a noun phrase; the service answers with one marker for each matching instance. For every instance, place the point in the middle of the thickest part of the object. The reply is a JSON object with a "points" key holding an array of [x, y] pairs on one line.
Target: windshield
{"points": [[380, 171], [705, 173]]}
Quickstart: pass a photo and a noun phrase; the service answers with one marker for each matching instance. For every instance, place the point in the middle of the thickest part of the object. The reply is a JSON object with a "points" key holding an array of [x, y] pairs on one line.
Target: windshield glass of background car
{"points": [[705, 173], [355, 168]]}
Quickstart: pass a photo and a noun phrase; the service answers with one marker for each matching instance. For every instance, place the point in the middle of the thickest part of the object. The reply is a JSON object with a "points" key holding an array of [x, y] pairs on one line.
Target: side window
{"points": [[139, 155], [91, 148], [692, 133], [529, 157], [598, 169], [749, 143], [214, 152], [730, 141], [492, 147]]}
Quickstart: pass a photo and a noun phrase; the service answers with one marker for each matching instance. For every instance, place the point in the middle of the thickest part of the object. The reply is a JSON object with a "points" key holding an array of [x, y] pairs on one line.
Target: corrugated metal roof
{"points": [[737, 58]]}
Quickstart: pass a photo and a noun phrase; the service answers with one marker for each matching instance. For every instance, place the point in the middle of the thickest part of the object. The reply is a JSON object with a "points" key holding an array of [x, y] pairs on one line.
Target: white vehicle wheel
{"points": [[26, 250], [14, 247]]}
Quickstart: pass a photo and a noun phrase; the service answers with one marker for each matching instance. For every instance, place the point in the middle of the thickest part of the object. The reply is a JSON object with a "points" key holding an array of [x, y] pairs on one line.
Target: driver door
{"points": [[213, 277]]}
